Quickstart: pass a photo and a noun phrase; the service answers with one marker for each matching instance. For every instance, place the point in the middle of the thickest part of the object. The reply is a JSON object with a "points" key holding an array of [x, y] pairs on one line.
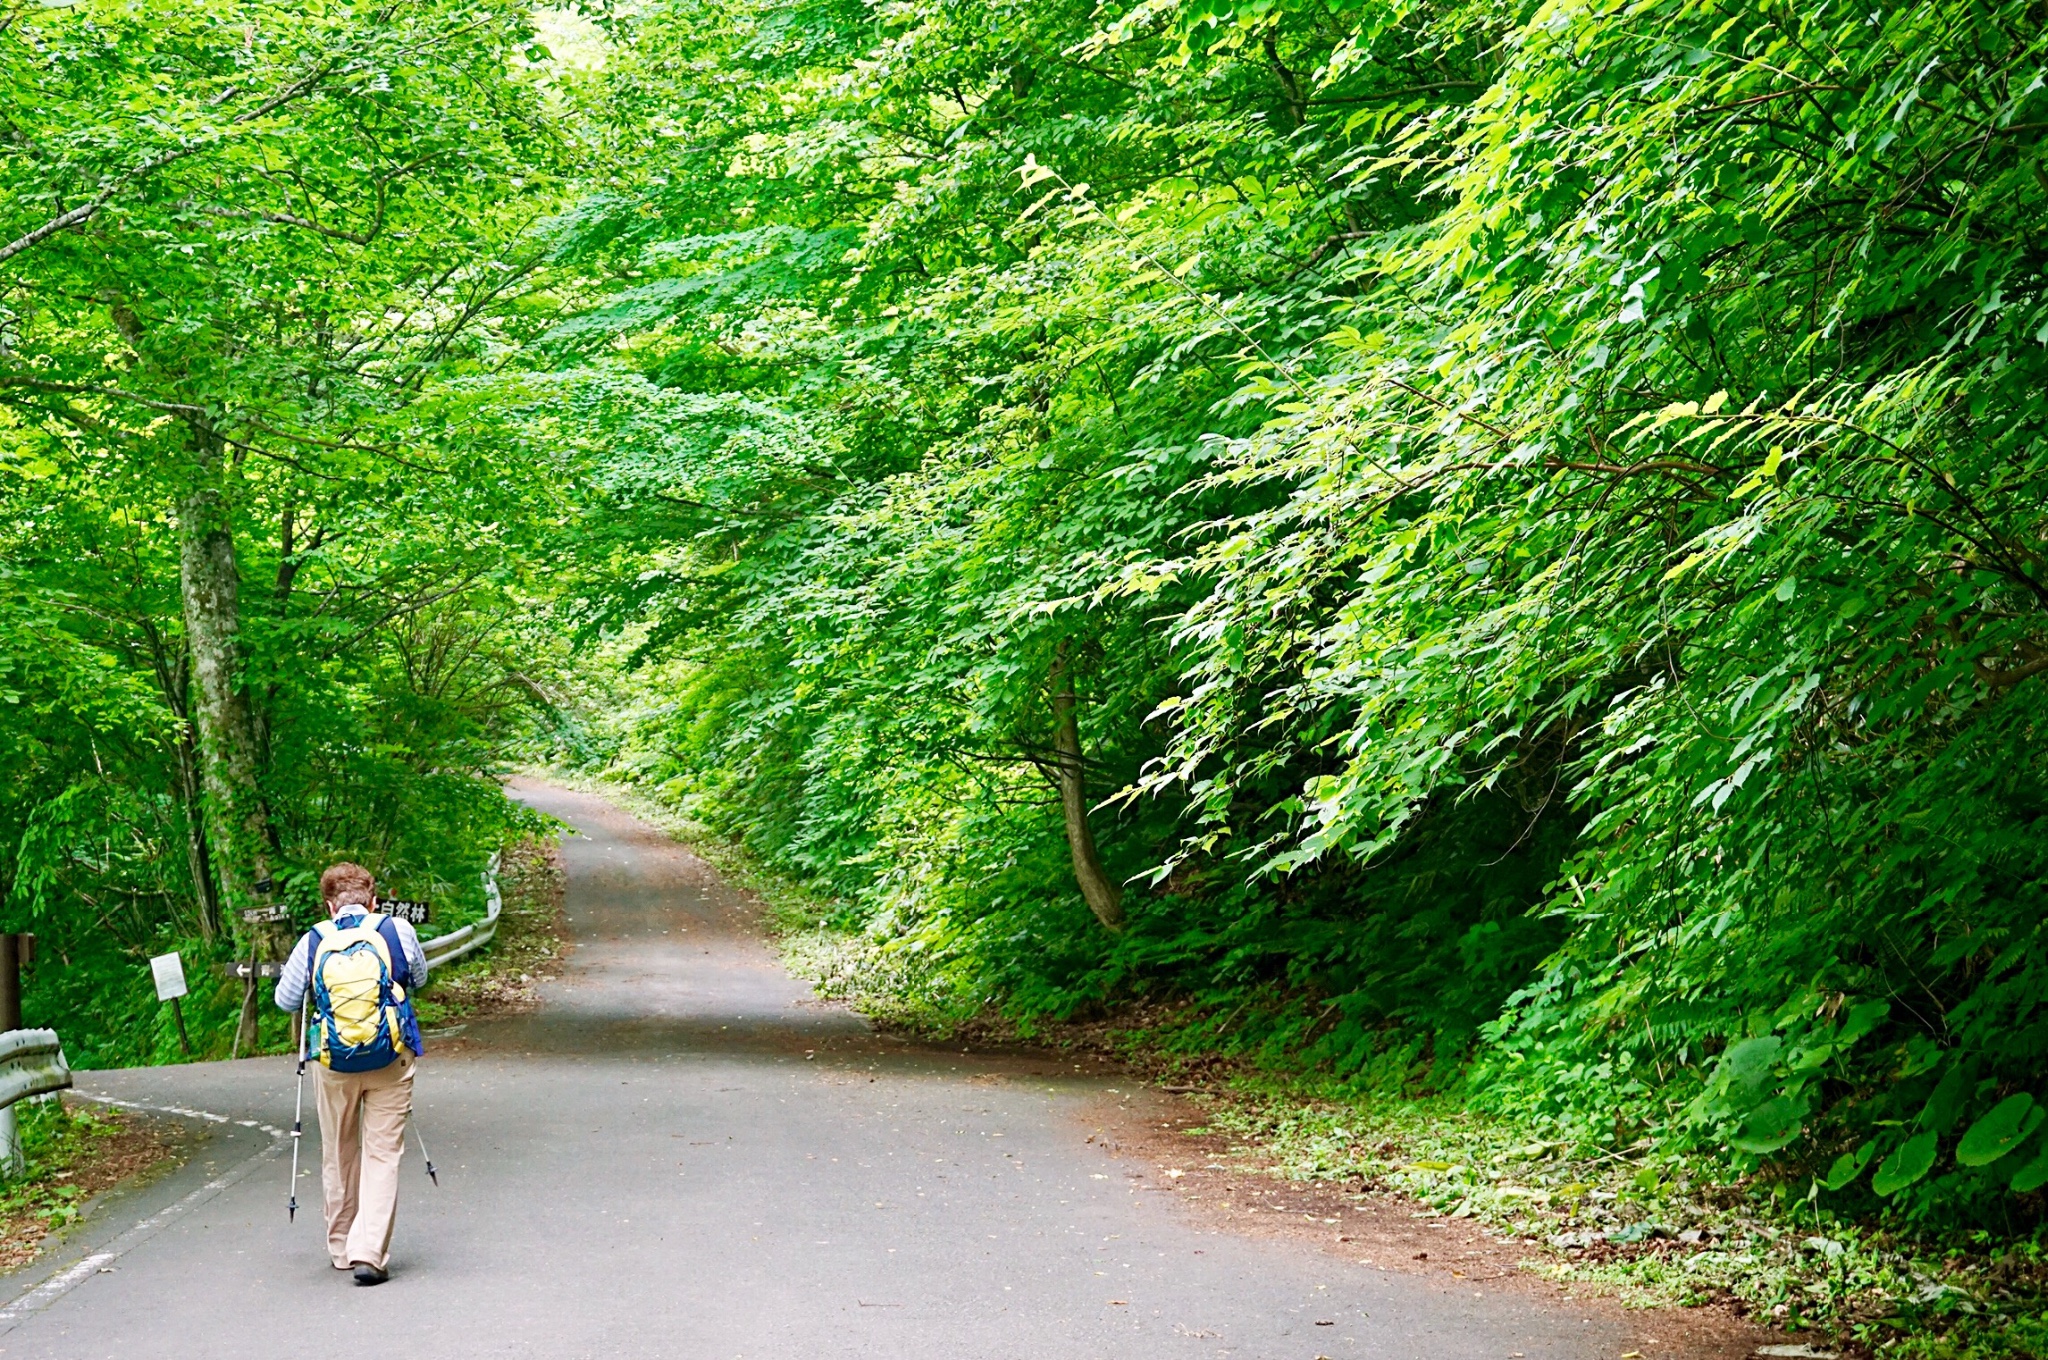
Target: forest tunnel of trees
{"points": [[1487, 549]]}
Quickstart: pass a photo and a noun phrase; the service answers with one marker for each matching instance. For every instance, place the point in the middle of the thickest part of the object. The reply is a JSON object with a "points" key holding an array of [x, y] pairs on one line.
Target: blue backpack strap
{"points": [[388, 928], [408, 1018], [319, 932]]}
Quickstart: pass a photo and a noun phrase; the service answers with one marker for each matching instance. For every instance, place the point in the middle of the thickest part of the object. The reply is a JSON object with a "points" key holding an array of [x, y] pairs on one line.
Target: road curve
{"points": [[685, 1154]]}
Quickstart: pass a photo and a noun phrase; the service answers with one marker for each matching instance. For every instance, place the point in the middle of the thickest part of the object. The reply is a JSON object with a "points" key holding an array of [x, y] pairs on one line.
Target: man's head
{"points": [[347, 885]]}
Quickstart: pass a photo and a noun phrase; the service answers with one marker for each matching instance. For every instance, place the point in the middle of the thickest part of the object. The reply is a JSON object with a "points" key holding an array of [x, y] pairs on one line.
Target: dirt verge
{"points": [[96, 1150], [530, 947], [1228, 1186]]}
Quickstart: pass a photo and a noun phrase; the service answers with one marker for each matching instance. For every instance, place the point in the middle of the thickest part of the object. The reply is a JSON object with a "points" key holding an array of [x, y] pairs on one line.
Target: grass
{"points": [[1670, 1234]]}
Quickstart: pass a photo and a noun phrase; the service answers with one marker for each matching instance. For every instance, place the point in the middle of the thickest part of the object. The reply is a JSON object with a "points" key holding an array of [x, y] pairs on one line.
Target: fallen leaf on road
{"points": [[1119, 1303]]}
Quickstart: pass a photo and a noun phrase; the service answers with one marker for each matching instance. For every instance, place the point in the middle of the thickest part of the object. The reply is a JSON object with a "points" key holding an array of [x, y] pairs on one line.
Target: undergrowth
{"points": [[528, 946], [72, 1153]]}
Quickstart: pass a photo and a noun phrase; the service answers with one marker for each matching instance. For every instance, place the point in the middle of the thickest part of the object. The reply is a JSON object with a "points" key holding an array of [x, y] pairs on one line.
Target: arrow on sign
{"points": [[263, 970]]}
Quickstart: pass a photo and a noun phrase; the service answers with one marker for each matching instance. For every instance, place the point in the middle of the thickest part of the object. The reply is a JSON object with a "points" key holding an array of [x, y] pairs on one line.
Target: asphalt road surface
{"points": [[686, 1154]]}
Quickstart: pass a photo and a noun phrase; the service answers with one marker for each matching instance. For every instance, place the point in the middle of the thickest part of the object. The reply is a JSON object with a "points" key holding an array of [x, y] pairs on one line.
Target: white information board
{"points": [[169, 971]]}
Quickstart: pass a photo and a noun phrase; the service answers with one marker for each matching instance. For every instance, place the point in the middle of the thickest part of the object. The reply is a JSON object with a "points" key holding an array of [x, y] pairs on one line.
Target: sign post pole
{"points": [[261, 920], [168, 970], [12, 1161], [10, 981]]}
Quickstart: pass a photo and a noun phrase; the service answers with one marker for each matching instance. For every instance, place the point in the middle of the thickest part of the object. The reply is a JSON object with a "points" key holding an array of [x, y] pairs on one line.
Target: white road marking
{"points": [[57, 1285], [64, 1281]]}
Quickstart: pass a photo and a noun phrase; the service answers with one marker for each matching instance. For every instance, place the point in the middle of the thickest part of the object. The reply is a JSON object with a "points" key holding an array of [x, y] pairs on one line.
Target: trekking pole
{"points": [[425, 1156], [298, 1114]]}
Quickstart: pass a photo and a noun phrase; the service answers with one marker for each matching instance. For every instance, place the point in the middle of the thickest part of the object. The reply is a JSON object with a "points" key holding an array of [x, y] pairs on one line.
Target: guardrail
{"points": [[31, 1064], [452, 946]]}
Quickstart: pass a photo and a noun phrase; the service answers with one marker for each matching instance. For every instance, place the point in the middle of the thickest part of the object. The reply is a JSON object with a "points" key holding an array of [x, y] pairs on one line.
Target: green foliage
{"points": [[55, 1140], [1544, 504], [258, 256], [1538, 508]]}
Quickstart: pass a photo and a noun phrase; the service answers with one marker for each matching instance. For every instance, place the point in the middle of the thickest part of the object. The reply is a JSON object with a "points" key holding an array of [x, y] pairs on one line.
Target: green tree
{"points": [[244, 242]]}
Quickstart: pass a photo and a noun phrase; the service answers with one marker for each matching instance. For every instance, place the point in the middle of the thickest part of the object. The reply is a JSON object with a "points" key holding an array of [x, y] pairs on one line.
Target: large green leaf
{"points": [[2032, 1176], [1770, 1126], [1910, 1161], [1863, 1017], [1849, 1166], [1749, 1062], [1945, 1105], [2000, 1131]]}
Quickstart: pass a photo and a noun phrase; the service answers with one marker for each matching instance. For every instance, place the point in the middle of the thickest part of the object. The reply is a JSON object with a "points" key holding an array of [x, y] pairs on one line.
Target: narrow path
{"points": [[685, 1154]]}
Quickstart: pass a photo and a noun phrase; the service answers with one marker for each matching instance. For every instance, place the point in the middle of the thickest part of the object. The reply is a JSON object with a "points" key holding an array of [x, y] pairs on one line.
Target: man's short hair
{"points": [[348, 884]]}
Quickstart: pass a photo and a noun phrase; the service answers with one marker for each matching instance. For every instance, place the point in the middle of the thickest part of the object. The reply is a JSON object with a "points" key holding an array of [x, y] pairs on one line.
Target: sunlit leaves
{"points": [[1604, 422]]}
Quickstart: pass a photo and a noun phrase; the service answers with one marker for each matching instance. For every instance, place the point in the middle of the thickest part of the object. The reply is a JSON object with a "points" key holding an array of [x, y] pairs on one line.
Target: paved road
{"points": [[685, 1154]]}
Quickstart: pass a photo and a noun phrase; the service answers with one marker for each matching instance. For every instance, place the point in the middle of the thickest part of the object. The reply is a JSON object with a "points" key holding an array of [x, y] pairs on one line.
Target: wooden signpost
{"points": [[245, 970], [264, 920], [15, 951], [169, 972]]}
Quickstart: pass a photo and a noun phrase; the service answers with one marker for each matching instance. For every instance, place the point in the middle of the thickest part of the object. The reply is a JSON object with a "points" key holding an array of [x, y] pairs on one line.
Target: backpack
{"points": [[358, 1006]]}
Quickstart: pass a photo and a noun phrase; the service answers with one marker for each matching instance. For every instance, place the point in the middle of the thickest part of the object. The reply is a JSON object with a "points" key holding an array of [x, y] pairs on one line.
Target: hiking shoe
{"points": [[369, 1274]]}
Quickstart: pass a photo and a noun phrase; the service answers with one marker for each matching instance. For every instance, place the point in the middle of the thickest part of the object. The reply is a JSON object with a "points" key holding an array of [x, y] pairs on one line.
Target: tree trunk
{"points": [[1105, 896], [226, 735], [198, 857], [172, 679]]}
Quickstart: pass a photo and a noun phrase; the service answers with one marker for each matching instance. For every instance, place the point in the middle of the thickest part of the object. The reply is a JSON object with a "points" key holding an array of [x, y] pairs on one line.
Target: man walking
{"points": [[361, 969]]}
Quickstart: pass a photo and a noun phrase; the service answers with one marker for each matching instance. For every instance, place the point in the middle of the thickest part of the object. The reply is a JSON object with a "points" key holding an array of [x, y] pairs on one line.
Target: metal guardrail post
{"points": [[447, 948], [31, 1064]]}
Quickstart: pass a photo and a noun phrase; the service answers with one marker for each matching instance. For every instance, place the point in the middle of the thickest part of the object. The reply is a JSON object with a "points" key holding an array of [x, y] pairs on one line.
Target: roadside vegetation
{"points": [[1481, 557], [74, 1150], [529, 946], [1476, 556]]}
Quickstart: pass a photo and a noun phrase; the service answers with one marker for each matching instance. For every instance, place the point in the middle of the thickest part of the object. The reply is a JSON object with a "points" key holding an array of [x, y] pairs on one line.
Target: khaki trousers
{"points": [[362, 1138]]}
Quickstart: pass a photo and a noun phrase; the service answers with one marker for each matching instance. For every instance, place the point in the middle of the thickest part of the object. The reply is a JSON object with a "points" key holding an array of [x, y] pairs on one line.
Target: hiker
{"points": [[362, 968]]}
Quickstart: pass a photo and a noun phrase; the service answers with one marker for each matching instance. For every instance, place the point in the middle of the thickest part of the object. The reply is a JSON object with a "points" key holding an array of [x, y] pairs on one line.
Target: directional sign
{"points": [[413, 913], [169, 972], [241, 970], [257, 915]]}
